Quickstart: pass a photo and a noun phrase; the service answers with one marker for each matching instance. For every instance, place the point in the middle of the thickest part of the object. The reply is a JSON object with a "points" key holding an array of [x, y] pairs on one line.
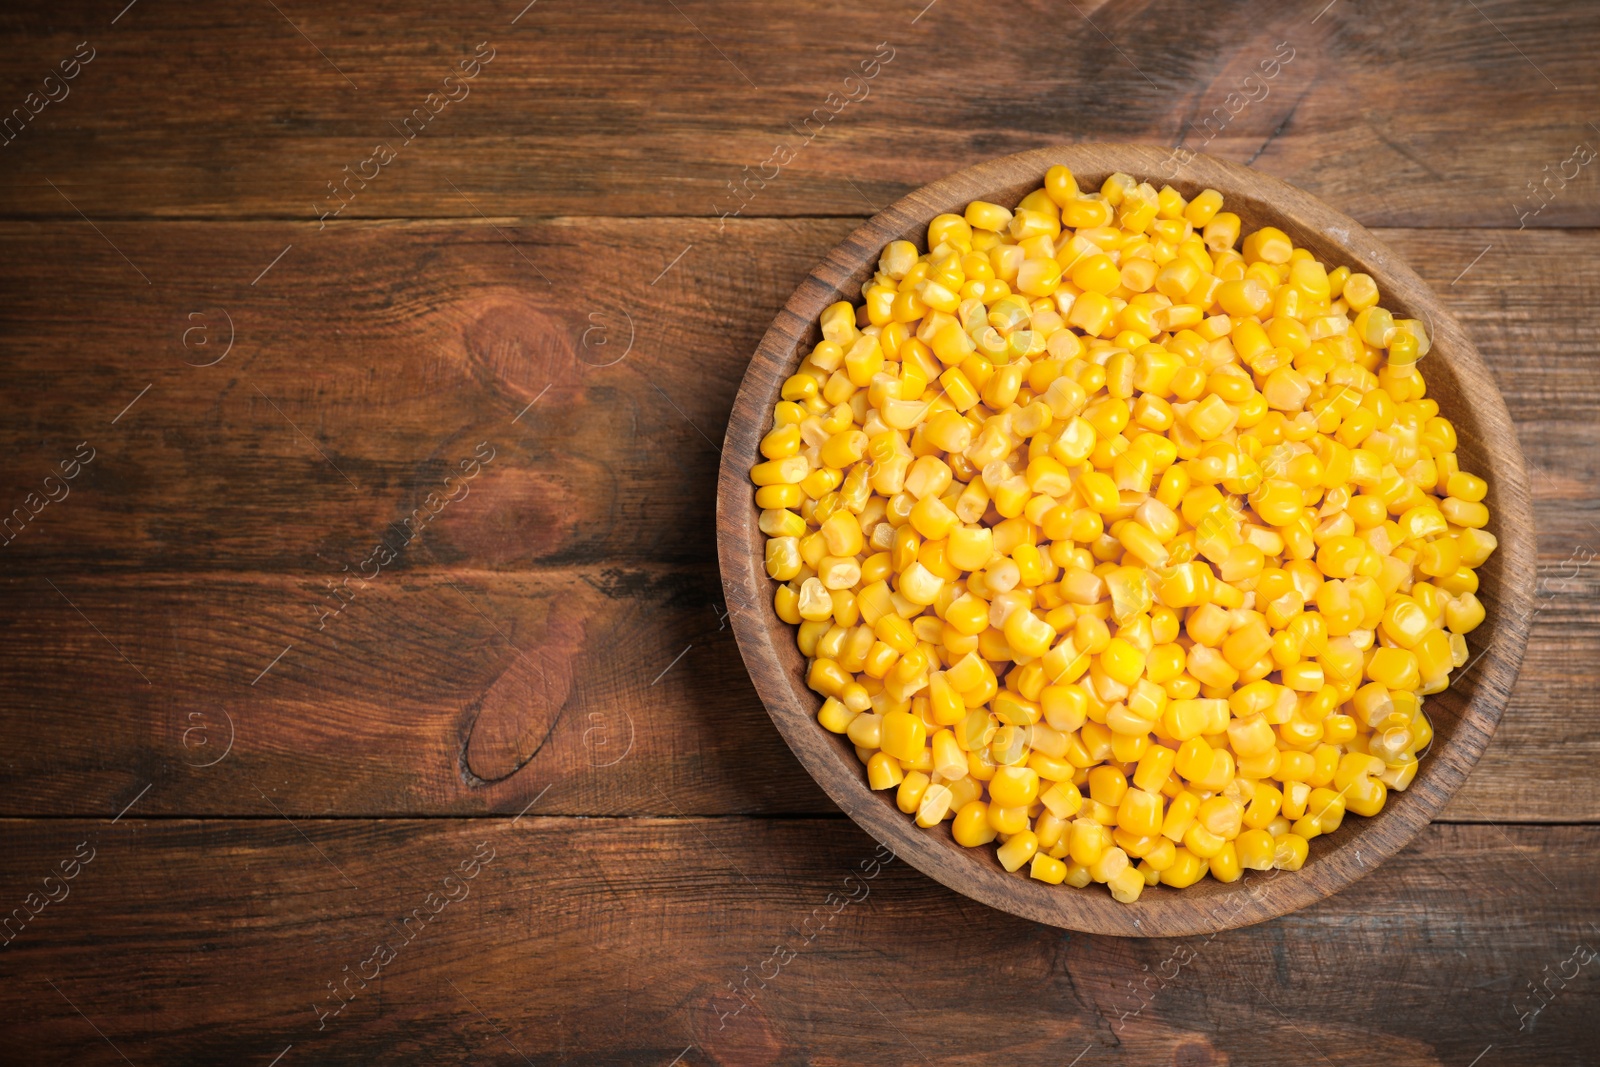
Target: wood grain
{"points": [[593, 691], [396, 348], [204, 477], [1465, 715], [1437, 115], [591, 941], [432, 336], [350, 394], [368, 716]]}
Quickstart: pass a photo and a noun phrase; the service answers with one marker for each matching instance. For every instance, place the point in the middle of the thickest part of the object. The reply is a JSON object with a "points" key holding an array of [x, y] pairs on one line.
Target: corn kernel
{"points": [[1047, 869], [883, 772], [971, 827], [1255, 850], [1018, 849]]}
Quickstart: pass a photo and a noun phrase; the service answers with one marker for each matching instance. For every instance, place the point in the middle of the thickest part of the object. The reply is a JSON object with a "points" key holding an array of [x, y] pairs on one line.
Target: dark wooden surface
{"points": [[594, 941], [525, 648]]}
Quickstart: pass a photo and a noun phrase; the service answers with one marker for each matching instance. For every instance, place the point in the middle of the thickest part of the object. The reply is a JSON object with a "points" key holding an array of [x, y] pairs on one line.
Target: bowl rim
{"points": [[1160, 911]]}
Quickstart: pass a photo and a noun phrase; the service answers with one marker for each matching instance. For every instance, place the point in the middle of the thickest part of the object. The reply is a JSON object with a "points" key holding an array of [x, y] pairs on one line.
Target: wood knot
{"points": [[517, 348], [1196, 1052], [522, 514], [730, 1027], [509, 725]]}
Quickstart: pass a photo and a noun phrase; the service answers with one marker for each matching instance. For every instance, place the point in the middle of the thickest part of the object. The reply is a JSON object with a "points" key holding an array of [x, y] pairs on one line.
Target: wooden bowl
{"points": [[1464, 716]]}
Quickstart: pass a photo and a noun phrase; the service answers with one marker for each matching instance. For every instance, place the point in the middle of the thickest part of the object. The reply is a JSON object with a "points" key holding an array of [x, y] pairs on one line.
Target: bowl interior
{"points": [[1464, 716]]}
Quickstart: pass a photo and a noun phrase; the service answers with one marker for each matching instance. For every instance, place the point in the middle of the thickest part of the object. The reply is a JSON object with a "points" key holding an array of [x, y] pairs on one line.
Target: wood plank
{"points": [[588, 691], [627, 941], [425, 339], [366, 365], [594, 691], [1438, 116], [201, 538]]}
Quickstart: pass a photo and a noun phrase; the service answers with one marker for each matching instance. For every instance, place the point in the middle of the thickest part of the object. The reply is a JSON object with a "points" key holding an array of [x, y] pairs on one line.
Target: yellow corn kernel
{"points": [[1268, 244], [1158, 852], [1399, 775], [883, 772], [1047, 869], [1140, 812], [1354, 766], [779, 497], [815, 602], [1434, 660], [1467, 487], [1327, 807], [971, 827], [1468, 513], [949, 761], [1221, 231], [1210, 667], [866, 729], [1255, 850], [903, 735], [783, 558], [1221, 816], [1304, 677], [1264, 806], [1096, 273], [1405, 622], [1060, 185], [834, 716], [819, 482], [1154, 769], [918, 584], [1366, 796], [1464, 613], [1440, 558], [1202, 842], [1112, 862], [1290, 851], [786, 603], [1278, 501], [789, 470], [1123, 661], [1203, 207], [1180, 815], [1092, 313], [1028, 635], [1014, 786], [1395, 668], [1212, 417], [1088, 842], [935, 805], [1018, 849], [1062, 799], [1077, 873], [1339, 729], [909, 796], [1126, 886], [1185, 870], [1225, 865], [981, 215], [1038, 277]]}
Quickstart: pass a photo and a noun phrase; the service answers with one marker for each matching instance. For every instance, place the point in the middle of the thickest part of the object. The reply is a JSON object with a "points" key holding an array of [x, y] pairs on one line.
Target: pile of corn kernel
{"points": [[1131, 551]]}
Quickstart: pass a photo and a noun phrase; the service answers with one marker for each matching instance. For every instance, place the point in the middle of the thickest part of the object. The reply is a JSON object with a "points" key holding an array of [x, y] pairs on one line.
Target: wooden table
{"points": [[367, 693]]}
